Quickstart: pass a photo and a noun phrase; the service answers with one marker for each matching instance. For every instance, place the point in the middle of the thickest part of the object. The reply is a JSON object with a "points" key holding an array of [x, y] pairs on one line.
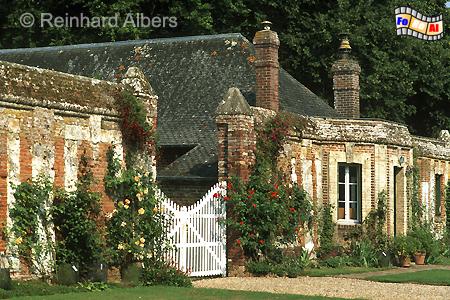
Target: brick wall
{"points": [[346, 72], [267, 69]]}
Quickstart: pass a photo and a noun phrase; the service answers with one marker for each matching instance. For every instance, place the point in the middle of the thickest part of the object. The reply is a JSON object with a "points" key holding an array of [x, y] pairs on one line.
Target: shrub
{"points": [[163, 274], [259, 268], [75, 216], [364, 254], [5, 279]]}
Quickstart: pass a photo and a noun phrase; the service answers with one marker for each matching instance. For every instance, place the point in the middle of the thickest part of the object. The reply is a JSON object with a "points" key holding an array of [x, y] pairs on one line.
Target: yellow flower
{"points": [[120, 204], [139, 196], [142, 240], [127, 202], [142, 245], [145, 192], [120, 247], [141, 211], [136, 243], [137, 178], [19, 240], [126, 206], [123, 224], [155, 209]]}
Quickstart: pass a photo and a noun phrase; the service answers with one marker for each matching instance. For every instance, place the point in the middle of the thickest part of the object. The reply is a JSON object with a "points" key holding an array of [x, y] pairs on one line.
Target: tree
{"points": [[403, 79]]}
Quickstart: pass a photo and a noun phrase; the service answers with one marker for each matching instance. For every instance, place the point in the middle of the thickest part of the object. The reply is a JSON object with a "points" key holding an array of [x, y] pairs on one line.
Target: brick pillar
{"points": [[236, 136], [346, 72], [236, 147], [267, 67], [135, 80]]}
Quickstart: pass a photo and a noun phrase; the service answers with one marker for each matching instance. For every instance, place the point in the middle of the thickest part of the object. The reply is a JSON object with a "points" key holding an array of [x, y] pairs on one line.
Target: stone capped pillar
{"points": [[236, 136], [136, 81], [236, 147], [346, 72], [267, 67]]}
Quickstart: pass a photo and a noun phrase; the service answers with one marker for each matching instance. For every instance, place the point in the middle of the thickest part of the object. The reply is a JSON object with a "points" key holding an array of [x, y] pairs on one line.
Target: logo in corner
{"points": [[412, 23]]}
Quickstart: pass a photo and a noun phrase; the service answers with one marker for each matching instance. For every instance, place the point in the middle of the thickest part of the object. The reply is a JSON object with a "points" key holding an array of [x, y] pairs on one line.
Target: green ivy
{"points": [[76, 216], [447, 207], [29, 214], [136, 130], [326, 230], [414, 181]]}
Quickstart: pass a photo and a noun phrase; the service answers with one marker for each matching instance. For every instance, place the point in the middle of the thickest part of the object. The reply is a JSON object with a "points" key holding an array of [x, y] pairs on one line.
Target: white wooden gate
{"points": [[198, 233]]}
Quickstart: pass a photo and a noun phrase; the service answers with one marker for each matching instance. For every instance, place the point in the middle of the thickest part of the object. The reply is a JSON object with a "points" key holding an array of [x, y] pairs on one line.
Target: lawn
{"points": [[432, 277], [169, 293]]}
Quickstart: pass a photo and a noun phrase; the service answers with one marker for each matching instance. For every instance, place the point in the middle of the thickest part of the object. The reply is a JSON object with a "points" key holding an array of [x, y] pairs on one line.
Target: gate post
{"points": [[236, 156], [183, 238]]}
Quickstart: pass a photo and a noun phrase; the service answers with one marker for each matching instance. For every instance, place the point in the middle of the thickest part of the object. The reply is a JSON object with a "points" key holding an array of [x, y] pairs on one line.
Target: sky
{"points": [[447, 4]]}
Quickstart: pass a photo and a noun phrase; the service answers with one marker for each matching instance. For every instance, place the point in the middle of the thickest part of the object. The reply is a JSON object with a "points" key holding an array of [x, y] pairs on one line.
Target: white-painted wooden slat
{"points": [[197, 234]]}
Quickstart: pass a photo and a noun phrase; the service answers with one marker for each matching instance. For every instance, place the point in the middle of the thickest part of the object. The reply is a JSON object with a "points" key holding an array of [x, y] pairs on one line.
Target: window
{"points": [[349, 202], [437, 195]]}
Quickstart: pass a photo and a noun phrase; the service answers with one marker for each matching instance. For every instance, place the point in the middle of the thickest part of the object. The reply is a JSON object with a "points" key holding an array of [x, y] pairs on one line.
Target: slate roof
{"points": [[190, 75]]}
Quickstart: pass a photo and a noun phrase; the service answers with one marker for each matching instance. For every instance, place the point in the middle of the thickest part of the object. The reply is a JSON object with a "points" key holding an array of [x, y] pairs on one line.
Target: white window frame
{"points": [[347, 201]]}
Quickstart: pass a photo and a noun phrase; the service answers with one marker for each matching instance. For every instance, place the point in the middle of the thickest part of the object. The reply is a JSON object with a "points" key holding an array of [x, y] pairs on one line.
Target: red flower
{"points": [[229, 185], [241, 223], [275, 186], [254, 205], [238, 242], [261, 242], [251, 192], [226, 198], [249, 196], [216, 195], [274, 194], [292, 209]]}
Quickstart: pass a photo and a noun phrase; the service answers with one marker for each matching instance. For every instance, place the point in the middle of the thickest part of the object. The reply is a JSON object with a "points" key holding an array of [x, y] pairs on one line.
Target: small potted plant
{"points": [[402, 247], [419, 252]]}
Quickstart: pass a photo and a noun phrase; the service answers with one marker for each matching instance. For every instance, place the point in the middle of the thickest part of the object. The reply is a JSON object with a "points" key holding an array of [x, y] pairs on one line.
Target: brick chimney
{"points": [[346, 72], [267, 67]]}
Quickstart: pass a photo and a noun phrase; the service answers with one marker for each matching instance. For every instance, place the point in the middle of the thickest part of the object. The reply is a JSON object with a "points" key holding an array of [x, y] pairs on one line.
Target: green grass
{"points": [[175, 293], [431, 277], [28, 288], [321, 272], [444, 261]]}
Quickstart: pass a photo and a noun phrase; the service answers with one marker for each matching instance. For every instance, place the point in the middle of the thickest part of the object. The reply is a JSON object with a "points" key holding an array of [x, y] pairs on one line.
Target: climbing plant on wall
{"points": [[76, 216], [30, 234], [267, 212]]}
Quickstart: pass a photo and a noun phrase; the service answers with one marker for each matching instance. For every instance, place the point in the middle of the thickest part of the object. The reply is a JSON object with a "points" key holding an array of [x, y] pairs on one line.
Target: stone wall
{"points": [[385, 152], [48, 120]]}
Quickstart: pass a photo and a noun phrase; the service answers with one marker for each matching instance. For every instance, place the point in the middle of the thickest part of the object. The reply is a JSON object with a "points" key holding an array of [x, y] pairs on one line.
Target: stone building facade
{"points": [[344, 160]]}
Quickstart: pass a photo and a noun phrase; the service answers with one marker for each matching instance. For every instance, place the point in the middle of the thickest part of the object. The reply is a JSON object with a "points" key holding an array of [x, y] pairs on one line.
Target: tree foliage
{"points": [[403, 79]]}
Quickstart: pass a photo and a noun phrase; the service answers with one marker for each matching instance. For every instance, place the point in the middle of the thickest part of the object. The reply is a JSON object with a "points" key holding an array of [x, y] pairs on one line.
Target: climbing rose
{"points": [[261, 242], [216, 195], [274, 194], [292, 209], [254, 205], [238, 242], [226, 198], [141, 211]]}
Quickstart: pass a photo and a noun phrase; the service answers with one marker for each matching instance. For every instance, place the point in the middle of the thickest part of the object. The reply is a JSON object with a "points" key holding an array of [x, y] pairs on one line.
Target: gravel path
{"points": [[329, 286]]}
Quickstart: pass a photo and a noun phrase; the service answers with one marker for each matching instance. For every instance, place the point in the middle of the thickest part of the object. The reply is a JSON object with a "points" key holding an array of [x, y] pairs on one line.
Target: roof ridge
{"points": [[128, 42]]}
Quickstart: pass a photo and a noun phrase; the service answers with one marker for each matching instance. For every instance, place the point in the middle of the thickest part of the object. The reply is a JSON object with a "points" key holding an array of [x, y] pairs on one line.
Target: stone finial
{"points": [[346, 72], [135, 78], [234, 103], [445, 136], [267, 67]]}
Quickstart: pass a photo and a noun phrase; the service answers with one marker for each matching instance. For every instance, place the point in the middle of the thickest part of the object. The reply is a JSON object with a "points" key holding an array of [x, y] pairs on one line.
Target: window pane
{"points": [[341, 192], [353, 174], [353, 192], [341, 210], [353, 210], [341, 173], [437, 196]]}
